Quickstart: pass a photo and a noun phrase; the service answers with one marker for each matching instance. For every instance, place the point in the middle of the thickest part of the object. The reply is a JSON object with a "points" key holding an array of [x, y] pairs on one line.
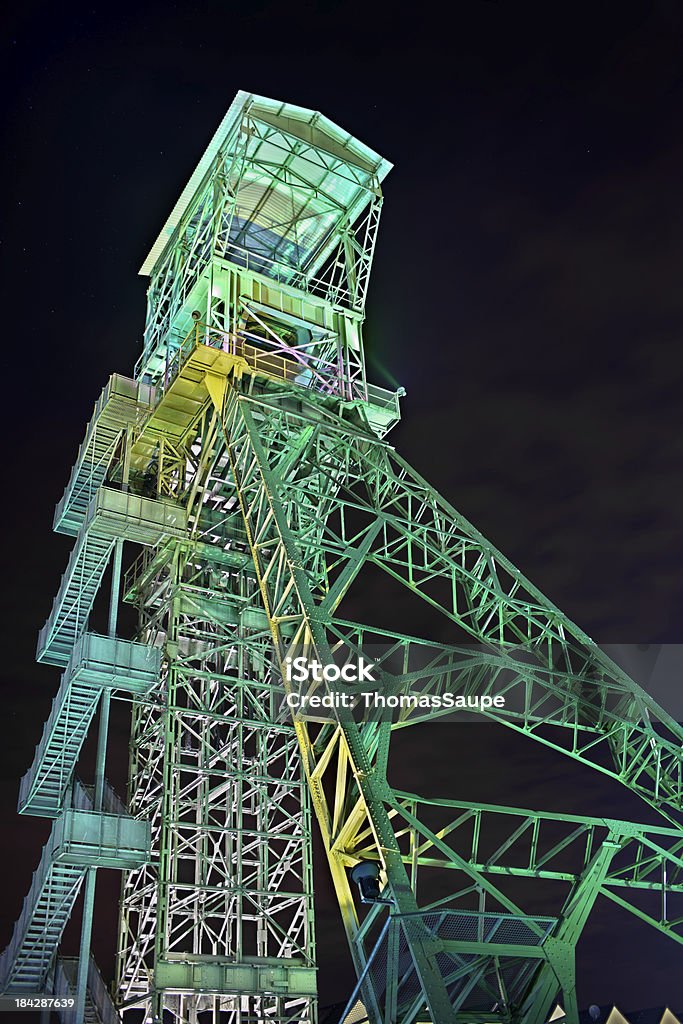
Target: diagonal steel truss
{"points": [[291, 495], [248, 457], [221, 782], [369, 507]]}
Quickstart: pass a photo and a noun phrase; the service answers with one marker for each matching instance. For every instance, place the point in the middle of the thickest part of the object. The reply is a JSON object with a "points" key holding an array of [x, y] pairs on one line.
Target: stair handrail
{"points": [[89, 433], [144, 395], [83, 800], [100, 995], [8, 956], [29, 778], [65, 987], [68, 575]]}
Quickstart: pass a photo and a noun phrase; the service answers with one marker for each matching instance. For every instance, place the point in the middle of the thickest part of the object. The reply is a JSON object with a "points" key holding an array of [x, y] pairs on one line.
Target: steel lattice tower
{"points": [[247, 458]]}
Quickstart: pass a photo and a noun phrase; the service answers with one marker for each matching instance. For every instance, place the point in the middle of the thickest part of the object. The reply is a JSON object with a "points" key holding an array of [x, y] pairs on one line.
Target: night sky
{"points": [[526, 291]]}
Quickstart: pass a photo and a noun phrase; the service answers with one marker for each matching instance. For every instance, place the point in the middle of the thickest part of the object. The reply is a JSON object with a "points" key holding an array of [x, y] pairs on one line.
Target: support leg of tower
{"points": [[559, 970]]}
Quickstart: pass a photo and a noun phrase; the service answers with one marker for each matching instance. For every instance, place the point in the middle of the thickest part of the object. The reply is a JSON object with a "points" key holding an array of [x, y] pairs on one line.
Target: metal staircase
{"points": [[111, 514], [99, 1007], [95, 662], [46, 910], [91, 829], [80, 838], [123, 403], [75, 597]]}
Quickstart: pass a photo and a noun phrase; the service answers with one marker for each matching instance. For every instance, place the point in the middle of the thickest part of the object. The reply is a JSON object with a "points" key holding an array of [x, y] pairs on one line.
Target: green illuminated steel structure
{"points": [[248, 459]]}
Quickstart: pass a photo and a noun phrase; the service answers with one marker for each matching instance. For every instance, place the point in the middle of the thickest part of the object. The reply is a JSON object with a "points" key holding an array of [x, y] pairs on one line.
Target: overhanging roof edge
{"points": [[217, 140], [242, 99]]}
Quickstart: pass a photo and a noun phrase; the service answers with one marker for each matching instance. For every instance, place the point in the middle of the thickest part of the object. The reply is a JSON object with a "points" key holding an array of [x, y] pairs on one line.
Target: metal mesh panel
{"points": [[470, 926], [475, 979]]}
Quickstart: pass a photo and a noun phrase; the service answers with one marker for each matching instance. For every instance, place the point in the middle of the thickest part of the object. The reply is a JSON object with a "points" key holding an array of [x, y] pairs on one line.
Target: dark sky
{"points": [[526, 292]]}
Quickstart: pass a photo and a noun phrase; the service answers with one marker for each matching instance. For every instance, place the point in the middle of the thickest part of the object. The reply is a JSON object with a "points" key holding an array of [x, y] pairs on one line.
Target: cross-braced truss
{"points": [[222, 779], [248, 458], [373, 509]]}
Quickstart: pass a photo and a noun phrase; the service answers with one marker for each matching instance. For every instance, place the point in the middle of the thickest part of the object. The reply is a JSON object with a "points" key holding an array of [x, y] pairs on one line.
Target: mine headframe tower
{"points": [[248, 459]]}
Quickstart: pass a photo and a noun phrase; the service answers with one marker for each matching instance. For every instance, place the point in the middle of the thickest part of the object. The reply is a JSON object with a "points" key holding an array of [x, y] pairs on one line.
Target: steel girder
{"points": [[348, 500], [258, 480], [222, 923], [259, 424], [381, 512]]}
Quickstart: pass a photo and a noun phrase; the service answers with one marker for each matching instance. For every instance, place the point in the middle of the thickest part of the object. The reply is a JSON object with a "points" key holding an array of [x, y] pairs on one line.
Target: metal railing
{"points": [[390, 972], [261, 264], [80, 837], [286, 274], [100, 996], [9, 955], [111, 658], [96, 661], [65, 987], [128, 509], [137, 569], [107, 837], [310, 373], [384, 399], [29, 778], [82, 799], [281, 363], [117, 386]]}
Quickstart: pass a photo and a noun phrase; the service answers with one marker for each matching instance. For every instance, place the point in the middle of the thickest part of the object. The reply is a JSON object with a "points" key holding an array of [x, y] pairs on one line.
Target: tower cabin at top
{"points": [[267, 256]]}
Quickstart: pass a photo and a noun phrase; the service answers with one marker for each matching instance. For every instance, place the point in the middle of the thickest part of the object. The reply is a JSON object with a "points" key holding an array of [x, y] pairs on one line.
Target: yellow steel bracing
{"points": [[247, 458]]}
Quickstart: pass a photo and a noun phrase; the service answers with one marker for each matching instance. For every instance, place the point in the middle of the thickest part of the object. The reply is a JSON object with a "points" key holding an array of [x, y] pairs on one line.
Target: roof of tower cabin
{"points": [[337, 185]]}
